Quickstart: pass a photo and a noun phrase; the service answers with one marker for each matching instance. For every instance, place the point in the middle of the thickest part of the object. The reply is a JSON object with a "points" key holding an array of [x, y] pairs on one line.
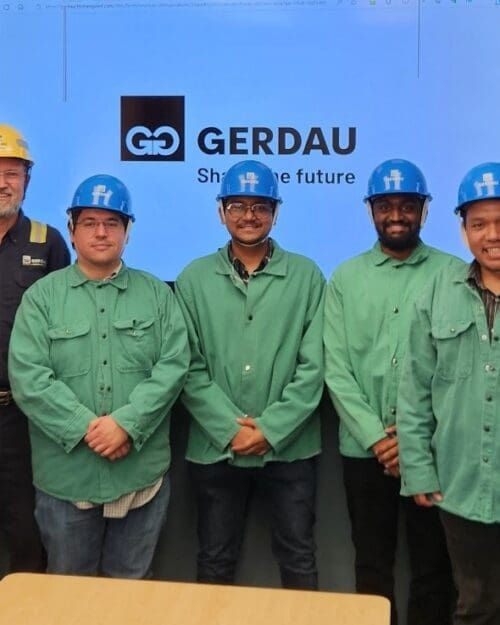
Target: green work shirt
{"points": [[449, 403], [83, 348], [367, 316], [257, 350]]}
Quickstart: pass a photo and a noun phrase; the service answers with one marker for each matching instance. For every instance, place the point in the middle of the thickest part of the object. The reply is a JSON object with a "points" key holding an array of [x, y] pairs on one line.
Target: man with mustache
{"points": [[29, 250], [368, 304], [254, 313]]}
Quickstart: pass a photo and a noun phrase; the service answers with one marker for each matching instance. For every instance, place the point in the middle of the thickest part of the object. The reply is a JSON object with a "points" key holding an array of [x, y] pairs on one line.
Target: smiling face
{"points": [[397, 220], [482, 227], [248, 219], [13, 180], [99, 237]]}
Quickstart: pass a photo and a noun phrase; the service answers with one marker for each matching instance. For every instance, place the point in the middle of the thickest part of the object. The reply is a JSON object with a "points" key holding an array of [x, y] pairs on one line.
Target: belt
{"points": [[6, 398]]}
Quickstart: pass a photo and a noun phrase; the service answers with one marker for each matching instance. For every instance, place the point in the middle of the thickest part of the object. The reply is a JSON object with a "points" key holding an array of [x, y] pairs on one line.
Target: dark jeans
{"points": [[373, 502], [17, 522], [223, 492], [475, 557]]}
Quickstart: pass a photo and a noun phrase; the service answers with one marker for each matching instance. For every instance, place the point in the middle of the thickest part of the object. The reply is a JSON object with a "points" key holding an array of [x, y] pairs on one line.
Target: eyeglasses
{"points": [[90, 225], [238, 209]]}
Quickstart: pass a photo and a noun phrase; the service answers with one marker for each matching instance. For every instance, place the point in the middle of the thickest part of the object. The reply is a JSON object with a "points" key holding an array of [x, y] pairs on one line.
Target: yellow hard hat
{"points": [[13, 144]]}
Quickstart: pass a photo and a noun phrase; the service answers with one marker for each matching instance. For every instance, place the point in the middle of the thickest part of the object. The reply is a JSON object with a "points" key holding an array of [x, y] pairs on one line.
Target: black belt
{"points": [[6, 397]]}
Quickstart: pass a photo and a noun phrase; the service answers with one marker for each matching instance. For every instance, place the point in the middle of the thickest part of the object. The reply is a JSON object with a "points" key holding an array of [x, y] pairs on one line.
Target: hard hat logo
{"points": [[482, 182], [395, 178], [99, 192], [397, 175], [105, 192], [487, 185], [248, 179]]}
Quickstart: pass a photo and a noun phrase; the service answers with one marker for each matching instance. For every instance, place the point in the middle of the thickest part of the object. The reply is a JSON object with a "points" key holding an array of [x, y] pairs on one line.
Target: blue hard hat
{"points": [[482, 182], [397, 176], [104, 192], [249, 178]]}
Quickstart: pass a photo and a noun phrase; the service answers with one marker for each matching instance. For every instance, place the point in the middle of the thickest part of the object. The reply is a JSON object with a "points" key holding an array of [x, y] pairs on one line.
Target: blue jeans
{"points": [[223, 492], [83, 542]]}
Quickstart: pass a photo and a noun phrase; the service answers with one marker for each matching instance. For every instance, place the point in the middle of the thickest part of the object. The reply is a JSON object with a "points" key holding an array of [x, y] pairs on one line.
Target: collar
{"points": [[240, 267], [419, 254], [276, 266], [474, 275], [118, 279]]}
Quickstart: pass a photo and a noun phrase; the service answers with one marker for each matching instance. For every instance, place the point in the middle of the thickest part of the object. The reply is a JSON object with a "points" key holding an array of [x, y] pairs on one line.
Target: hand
{"points": [[121, 452], [249, 441], [105, 437], [427, 500], [386, 451]]}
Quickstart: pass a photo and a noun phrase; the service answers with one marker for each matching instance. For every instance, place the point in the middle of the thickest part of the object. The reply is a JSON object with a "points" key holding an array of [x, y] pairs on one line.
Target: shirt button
{"points": [[484, 337], [101, 310], [487, 428], [104, 362], [495, 338], [452, 330], [485, 459], [247, 367], [108, 388], [101, 387], [393, 411], [394, 361], [395, 310], [489, 397], [104, 336], [250, 317]]}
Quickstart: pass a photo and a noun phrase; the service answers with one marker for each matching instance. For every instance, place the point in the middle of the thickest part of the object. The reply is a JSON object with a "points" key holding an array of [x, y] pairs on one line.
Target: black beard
{"points": [[400, 244]]}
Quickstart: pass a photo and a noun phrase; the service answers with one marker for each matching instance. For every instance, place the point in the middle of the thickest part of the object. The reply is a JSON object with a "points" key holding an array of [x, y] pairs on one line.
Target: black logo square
{"points": [[152, 128]]}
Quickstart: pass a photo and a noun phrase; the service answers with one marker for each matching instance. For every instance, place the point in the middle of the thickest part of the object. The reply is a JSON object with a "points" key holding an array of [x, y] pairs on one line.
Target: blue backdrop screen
{"points": [[167, 95]]}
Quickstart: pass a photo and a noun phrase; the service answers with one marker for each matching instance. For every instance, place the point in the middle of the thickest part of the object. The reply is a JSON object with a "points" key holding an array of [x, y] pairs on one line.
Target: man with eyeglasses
{"points": [[99, 353], [368, 309], [28, 250], [254, 314]]}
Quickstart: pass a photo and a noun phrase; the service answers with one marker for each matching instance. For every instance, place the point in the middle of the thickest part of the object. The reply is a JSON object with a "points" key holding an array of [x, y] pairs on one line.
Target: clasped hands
{"points": [[249, 440], [107, 439], [386, 451]]}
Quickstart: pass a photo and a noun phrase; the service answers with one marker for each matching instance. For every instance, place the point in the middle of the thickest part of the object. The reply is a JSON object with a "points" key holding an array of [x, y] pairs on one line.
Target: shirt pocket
{"points": [[26, 276], [453, 342], [136, 344], [70, 349]]}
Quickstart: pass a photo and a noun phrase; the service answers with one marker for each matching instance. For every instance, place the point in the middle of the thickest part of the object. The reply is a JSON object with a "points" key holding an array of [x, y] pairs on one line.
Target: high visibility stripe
{"points": [[38, 232]]}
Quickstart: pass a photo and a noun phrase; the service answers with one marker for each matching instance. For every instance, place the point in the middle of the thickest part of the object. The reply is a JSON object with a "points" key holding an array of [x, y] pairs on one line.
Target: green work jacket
{"points": [[367, 317], [257, 350], [449, 403], [83, 348]]}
